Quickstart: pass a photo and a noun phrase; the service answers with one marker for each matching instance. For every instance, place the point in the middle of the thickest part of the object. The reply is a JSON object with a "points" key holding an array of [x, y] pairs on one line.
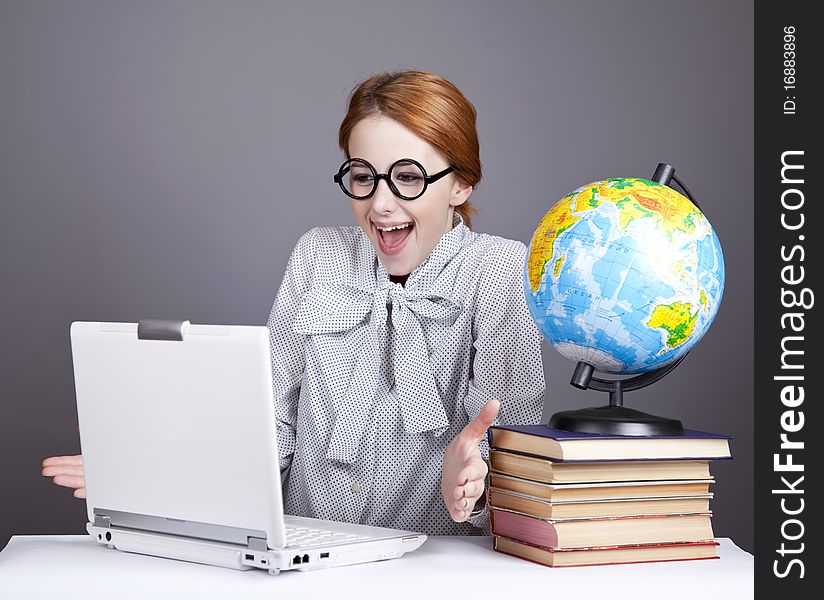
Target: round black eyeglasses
{"points": [[406, 178]]}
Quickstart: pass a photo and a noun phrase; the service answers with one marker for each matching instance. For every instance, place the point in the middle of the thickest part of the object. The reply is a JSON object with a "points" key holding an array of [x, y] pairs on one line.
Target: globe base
{"points": [[615, 420]]}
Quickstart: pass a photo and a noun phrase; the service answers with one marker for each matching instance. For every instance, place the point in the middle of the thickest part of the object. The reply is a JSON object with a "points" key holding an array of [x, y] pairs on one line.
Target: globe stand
{"points": [[616, 419]]}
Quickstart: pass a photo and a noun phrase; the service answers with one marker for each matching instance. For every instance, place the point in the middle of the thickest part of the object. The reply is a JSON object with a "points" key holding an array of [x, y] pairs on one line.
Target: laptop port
{"points": [[305, 558], [296, 560], [249, 556], [324, 555]]}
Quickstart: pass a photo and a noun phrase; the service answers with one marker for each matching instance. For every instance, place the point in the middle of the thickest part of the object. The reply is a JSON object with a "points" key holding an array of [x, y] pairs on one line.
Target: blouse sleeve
{"points": [[507, 363], [288, 347]]}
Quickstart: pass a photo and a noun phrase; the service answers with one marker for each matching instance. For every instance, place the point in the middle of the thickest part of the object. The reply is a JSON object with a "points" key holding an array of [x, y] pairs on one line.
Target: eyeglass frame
{"points": [[427, 179]]}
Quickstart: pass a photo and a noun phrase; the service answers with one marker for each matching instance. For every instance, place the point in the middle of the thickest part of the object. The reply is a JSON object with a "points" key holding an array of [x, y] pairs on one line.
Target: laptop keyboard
{"points": [[307, 537]]}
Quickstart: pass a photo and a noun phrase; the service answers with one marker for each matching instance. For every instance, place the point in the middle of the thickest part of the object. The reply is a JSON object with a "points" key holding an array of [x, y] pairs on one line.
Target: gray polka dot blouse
{"points": [[373, 379]]}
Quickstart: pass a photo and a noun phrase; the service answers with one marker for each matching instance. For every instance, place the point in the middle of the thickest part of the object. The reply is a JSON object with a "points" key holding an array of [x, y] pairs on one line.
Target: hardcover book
{"points": [[604, 490], [606, 555], [585, 533], [547, 470], [560, 445], [616, 507]]}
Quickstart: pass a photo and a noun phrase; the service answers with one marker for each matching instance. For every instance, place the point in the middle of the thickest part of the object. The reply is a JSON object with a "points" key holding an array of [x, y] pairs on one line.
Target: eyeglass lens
{"points": [[406, 179]]}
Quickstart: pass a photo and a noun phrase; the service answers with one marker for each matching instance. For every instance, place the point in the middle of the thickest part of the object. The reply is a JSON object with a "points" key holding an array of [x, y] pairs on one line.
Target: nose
{"points": [[383, 200]]}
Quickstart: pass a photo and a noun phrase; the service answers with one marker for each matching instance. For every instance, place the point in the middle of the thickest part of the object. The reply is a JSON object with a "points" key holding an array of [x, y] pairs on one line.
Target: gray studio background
{"points": [[160, 159]]}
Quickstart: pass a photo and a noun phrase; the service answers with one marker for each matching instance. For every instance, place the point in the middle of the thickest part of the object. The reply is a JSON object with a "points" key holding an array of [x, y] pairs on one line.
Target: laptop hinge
{"points": [[256, 543], [102, 521], [114, 519], [160, 329]]}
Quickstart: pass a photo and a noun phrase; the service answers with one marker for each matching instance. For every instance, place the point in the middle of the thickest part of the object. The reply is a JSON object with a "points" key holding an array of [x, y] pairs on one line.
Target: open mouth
{"points": [[391, 238]]}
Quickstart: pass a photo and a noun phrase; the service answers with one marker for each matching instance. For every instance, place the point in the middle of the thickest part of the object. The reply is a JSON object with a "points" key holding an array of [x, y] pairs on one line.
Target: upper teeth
{"points": [[393, 227]]}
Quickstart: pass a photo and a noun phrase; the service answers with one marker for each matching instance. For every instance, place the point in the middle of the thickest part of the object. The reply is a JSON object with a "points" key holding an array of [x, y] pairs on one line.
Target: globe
{"points": [[624, 274]]}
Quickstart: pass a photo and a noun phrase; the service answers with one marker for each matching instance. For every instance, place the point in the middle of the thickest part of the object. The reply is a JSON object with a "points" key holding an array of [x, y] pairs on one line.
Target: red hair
{"points": [[429, 106]]}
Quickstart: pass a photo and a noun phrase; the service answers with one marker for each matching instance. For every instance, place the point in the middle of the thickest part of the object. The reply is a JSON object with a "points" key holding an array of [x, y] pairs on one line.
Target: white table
{"points": [[63, 567]]}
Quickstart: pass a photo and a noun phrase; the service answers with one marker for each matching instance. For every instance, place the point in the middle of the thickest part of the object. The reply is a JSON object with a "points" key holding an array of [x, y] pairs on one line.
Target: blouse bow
{"points": [[338, 308]]}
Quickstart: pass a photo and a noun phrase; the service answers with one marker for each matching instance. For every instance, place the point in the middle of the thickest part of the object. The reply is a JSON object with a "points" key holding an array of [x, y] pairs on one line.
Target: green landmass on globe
{"points": [[625, 274]]}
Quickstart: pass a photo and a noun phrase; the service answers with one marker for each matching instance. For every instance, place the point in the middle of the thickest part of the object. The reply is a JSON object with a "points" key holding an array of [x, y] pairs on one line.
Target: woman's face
{"points": [[382, 141]]}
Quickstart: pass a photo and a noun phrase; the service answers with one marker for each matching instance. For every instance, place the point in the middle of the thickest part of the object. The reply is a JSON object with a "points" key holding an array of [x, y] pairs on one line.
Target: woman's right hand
{"points": [[66, 471]]}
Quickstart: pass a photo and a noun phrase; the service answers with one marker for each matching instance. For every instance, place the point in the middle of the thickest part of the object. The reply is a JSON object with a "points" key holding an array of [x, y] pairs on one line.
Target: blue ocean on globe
{"points": [[625, 274]]}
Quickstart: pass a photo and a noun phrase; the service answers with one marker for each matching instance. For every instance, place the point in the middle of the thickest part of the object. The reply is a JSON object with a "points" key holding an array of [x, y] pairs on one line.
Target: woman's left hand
{"points": [[464, 470]]}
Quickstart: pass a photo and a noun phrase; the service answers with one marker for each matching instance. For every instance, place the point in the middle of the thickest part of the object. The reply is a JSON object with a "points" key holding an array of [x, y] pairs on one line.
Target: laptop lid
{"points": [[145, 403]]}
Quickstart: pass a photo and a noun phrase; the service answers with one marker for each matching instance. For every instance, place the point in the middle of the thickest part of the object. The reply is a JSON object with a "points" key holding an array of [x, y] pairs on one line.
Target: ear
{"points": [[460, 193]]}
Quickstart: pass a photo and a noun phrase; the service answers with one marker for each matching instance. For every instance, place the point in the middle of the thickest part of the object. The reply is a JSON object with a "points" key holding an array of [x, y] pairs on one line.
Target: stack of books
{"points": [[563, 498]]}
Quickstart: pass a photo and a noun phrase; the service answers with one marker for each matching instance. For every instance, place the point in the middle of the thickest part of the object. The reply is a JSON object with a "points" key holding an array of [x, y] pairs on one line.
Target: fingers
{"points": [[475, 430], [66, 471], [70, 481], [475, 471], [459, 515], [461, 508], [62, 470], [460, 492], [472, 489], [465, 495], [53, 461]]}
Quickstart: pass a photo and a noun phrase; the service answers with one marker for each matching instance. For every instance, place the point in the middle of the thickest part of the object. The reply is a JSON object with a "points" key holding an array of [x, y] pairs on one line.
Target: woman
{"points": [[397, 343]]}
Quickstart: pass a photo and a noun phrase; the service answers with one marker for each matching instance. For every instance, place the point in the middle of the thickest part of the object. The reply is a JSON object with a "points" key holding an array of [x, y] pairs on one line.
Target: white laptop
{"points": [[177, 430]]}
